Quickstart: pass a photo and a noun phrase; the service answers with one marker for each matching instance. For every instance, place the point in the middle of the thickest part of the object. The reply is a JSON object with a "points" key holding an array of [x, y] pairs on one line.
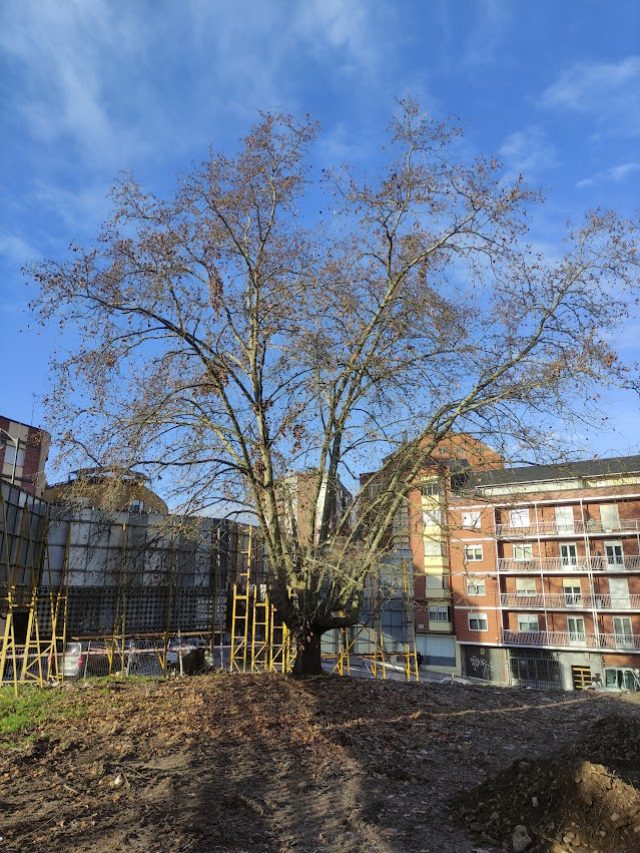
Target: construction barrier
{"points": [[83, 594]]}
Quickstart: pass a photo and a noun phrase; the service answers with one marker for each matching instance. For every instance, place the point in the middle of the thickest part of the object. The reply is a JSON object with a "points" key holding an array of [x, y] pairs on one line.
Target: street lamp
{"points": [[16, 446]]}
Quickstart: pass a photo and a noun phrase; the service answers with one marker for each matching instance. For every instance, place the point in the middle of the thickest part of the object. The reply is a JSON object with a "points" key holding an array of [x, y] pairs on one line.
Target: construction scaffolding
{"points": [[83, 593], [259, 639], [383, 644]]}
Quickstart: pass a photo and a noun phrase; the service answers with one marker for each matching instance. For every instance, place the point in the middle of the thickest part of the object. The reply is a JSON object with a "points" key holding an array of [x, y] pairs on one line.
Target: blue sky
{"points": [[92, 87]]}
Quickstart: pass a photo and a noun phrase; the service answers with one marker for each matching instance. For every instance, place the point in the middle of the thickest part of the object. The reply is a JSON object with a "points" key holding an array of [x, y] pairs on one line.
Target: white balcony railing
{"points": [[572, 639], [569, 601], [562, 528], [596, 563]]}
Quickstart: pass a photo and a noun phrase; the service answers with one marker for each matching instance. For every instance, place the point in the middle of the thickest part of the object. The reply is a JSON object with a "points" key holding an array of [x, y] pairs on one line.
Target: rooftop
{"points": [[581, 469]]}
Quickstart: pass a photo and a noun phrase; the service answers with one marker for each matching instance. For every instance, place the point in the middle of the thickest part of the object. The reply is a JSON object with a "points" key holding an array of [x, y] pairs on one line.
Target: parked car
{"points": [[72, 661]]}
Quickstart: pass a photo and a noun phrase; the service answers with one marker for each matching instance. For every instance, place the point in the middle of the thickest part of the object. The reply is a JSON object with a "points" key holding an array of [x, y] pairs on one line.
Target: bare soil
{"points": [[267, 763]]}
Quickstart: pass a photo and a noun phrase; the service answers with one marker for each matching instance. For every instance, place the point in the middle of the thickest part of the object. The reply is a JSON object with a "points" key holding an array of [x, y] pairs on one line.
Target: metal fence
{"points": [[84, 593]]}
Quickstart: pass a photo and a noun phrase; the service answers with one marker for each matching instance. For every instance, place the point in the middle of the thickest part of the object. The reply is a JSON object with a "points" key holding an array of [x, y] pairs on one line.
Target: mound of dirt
{"points": [[585, 799], [267, 764], [615, 742]]}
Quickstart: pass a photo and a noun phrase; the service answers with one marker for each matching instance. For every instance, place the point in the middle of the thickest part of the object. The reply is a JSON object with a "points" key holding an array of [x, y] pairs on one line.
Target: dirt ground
{"points": [[268, 763]]}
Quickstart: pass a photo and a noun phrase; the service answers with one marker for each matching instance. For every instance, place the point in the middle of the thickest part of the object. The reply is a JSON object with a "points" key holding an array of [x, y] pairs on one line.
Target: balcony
{"points": [[560, 565], [569, 601], [562, 528], [572, 640]]}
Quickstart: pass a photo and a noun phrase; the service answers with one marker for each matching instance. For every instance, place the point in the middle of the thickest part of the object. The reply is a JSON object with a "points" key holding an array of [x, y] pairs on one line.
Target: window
{"points": [[564, 519], [432, 517], [435, 581], [433, 548], [476, 586], [569, 554], [614, 554], [519, 518], [619, 592], [431, 489], [622, 630], [439, 613], [528, 622], [622, 679], [526, 586], [610, 517], [572, 593], [10, 455], [471, 520], [523, 552], [473, 553], [575, 626], [478, 622], [136, 506], [437, 651]]}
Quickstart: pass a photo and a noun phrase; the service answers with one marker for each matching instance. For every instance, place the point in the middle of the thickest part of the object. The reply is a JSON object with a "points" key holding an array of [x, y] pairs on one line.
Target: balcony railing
{"points": [[572, 639], [562, 528], [596, 563], [570, 600]]}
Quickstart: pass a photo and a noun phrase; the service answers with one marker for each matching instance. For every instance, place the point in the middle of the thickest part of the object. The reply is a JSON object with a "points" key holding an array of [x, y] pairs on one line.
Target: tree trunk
{"points": [[308, 659]]}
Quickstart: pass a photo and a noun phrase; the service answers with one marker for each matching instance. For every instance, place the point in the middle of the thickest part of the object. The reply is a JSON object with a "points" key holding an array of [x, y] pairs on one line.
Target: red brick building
{"points": [[526, 575], [545, 573], [24, 450]]}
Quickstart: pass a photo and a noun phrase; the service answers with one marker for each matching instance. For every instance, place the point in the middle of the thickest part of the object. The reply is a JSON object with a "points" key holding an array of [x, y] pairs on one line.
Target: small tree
{"points": [[226, 340]]}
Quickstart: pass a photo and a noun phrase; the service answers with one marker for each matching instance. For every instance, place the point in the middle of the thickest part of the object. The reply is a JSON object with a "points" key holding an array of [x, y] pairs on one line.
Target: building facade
{"points": [[545, 573], [111, 490], [526, 575], [24, 450], [430, 541]]}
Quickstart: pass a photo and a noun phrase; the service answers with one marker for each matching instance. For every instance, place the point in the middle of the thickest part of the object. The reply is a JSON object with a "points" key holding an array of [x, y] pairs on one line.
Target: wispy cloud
{"points": [[94, 76], [529, 152], [606, 92], [486, 34], [342, 27], [80, 209], [15, 251], [616, 175], [70, 60]]}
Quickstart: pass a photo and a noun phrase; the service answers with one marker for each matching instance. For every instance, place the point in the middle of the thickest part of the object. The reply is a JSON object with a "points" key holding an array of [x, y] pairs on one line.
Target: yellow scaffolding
{"points": [[24, 563], [240, 612], [371, 634], [260, 641]]}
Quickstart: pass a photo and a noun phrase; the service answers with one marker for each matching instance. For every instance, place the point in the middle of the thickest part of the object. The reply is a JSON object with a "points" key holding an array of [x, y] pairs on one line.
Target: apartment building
{"points": [[23, 454], [429, 535], [526, 575], [544, 568]]}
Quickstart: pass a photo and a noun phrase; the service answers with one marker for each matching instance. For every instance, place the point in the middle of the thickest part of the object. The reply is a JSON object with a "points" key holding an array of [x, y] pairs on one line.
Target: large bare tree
{"points": [[233, 335]]}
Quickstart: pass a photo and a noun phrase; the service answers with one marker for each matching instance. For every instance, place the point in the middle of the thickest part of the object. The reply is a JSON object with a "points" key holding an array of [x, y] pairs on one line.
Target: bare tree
{"points": [[228, 338]]}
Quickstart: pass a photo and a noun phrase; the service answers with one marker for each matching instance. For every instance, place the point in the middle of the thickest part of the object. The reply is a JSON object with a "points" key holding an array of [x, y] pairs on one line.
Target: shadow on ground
{"points": [[266, 763]]}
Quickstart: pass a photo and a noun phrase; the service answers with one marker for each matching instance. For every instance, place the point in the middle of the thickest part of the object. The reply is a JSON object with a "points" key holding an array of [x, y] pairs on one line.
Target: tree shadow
{"points": [[266, 763]]}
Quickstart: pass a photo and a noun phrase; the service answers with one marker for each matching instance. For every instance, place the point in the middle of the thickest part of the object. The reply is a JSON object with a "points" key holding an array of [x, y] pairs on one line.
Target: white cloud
{"points": [[487, 33], [342, 27], [616, 175], [16, 251], [528, 151], [619, 173], [69, 59], [606, 92], [94, 74], [81, 209]]}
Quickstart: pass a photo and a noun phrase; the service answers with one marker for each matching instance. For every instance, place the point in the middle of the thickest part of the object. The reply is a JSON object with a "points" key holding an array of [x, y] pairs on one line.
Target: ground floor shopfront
{"points": [[550, 669]]}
